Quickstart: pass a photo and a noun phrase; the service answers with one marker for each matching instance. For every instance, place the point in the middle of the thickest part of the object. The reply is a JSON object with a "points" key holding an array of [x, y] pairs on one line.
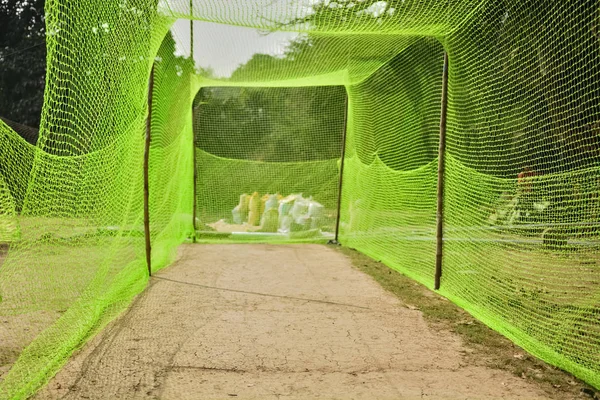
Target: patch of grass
{"points": [[484, 345]]}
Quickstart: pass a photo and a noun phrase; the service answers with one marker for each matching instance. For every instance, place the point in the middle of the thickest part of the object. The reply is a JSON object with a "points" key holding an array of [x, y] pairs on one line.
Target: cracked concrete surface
{"points": [[257, 321]]}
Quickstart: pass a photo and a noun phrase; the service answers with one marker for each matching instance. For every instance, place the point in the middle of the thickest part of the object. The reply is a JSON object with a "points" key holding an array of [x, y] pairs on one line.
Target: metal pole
{"points": [[440, 179], [146, 174], [339, 202], [195, 207]]}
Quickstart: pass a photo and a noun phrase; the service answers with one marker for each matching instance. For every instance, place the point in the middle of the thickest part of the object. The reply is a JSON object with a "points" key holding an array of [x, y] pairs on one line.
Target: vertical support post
{"points": [[440, 178], [146, 174], [339, 202], [195, 206]]}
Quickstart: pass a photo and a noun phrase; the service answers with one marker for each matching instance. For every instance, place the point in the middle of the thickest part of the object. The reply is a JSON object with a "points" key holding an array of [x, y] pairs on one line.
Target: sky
{"points": [[223, 48]]}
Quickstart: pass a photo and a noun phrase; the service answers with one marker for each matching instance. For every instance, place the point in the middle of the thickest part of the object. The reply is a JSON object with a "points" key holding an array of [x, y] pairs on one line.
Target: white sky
{"points": [[223, 48]]}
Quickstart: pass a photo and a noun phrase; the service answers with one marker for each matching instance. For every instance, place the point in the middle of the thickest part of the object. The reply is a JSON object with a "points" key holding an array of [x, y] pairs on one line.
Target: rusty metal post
{"points": [[146, 174], [440, 178], [340, 181], [195, 183]]}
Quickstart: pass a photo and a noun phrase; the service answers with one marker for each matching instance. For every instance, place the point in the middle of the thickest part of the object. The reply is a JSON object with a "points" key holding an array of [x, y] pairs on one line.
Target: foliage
{"points": [[23, 60], [327, 14], [256, 123], [550, 123]]}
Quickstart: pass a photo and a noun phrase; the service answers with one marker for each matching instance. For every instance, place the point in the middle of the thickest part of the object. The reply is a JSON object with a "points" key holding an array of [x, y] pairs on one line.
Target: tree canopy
{"points": [[271, 124], [22, 60]]}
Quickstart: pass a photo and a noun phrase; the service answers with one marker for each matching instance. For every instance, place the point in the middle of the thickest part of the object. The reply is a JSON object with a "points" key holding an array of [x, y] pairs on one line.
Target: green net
{"points": [[268, 162], [522, 201], [522, 198], [9, 229]]}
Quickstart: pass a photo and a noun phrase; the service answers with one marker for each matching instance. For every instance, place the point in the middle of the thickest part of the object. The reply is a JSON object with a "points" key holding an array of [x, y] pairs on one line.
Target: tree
{"points": [[22, 60], [272, 124]]}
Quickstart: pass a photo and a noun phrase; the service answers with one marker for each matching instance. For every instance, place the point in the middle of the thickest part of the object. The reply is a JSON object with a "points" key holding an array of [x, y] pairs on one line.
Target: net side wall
{"points": [[521, 201], [522, 178], [79, 260], [389, 185]]}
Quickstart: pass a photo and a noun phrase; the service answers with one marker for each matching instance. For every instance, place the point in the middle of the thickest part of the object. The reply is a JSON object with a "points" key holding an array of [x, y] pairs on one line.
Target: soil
{"points": [[256, 321]]}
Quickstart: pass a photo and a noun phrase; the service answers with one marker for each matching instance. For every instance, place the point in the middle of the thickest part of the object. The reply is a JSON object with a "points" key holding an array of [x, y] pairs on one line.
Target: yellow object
{"points": [[254, 209]]}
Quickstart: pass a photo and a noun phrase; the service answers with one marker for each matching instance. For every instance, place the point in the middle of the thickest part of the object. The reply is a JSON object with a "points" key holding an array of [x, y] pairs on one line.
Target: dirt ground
{"points": [[260, 321]]}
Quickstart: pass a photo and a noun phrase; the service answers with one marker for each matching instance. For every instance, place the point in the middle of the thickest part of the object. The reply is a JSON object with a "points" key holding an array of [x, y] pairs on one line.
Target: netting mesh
{"points": [[268, 162], [522, 200], [389, 191], [522, 174]]}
